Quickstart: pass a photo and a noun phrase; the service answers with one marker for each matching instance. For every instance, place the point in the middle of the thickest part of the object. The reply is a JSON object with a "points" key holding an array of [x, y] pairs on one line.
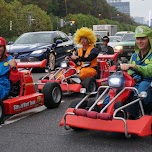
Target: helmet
{"points": [[2, 41]]}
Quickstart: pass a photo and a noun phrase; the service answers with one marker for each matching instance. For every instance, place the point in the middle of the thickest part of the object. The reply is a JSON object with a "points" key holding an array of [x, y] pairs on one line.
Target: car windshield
{"points": [[114, 38], [128, 37], [32, 38]]}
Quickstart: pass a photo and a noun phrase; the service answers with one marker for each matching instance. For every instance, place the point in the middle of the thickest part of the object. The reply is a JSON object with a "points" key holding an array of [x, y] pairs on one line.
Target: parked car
{"points": [[36, 46], [126, 46], [122, 33], [114, 40]]}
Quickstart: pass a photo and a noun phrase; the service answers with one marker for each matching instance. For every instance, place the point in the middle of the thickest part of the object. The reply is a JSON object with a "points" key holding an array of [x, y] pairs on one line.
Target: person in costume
{"points": [[87, 39], [6, 63]]}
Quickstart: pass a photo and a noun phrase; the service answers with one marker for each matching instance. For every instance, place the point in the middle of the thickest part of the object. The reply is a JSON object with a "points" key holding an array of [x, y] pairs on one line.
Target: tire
{"points": [[96, 107], [51, 61], [1, 112], [90, 84], [52, 95], [75, 102]]}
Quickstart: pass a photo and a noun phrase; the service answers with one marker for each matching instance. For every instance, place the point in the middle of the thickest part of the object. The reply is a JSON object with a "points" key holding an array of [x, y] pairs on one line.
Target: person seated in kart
{"points": [[141, 61], [6, 63], [86, 37], [105, 48]]}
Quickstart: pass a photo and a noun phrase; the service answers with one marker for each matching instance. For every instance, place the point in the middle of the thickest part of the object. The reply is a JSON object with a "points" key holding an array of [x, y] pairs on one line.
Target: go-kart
{"points": [[111, 117], [23, 95], [67, 77], [66, 74]]}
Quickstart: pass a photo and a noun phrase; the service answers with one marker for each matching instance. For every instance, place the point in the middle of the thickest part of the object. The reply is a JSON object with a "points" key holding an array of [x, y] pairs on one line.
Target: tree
{"points": [[10, 16], [31, 16]]}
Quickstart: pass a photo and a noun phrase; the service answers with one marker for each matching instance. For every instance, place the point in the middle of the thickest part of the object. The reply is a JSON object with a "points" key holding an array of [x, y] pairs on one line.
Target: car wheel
{"points": [[90, 84], [52, 95], [52, 61], [1, 112]]}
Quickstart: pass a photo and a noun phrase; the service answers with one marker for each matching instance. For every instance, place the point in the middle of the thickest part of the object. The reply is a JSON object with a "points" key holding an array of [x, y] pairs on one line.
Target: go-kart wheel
{"points": [[90, 84], [52, 95], [51, 61], [96, 107], [1, 112], [75, 102], [121, 113]]}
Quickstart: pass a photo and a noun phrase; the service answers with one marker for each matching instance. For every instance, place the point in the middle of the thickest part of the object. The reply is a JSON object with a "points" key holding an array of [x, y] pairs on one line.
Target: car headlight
{"points": [[38, 51], [116, 80], [118, 48], [64, 64]]}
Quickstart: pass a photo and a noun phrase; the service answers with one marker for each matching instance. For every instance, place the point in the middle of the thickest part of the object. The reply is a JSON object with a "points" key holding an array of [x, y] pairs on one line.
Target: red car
{"points": [[23, 95]]}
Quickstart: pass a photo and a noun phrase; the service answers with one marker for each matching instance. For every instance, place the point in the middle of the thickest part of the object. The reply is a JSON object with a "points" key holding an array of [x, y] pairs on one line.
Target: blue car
{"points": [[36, 46]]}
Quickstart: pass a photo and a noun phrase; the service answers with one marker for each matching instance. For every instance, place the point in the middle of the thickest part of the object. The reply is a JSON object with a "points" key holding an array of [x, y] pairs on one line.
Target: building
{"points": [[123, 7], [140, 20]]}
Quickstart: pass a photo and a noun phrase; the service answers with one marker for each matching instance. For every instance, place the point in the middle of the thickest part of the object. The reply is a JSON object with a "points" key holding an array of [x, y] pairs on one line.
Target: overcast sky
{"points": [[140, 8]]}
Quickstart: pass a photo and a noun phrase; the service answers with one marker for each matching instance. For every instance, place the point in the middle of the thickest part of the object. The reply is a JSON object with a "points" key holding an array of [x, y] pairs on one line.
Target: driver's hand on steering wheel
{"points": [[67, 58], [126, 67], [12, 63]]}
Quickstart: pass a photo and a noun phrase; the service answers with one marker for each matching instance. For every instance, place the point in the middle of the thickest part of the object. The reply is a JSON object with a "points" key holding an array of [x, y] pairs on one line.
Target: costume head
{"points": [[87, 33], [3, 43], [143, 31]]}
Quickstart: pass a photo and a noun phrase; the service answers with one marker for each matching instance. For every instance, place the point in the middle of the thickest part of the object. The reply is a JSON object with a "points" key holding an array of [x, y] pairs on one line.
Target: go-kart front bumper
{"points": [[140, 127]]}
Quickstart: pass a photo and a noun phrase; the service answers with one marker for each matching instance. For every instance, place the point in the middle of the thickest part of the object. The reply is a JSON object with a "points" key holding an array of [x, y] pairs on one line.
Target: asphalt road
{"points": [[40, 132]]}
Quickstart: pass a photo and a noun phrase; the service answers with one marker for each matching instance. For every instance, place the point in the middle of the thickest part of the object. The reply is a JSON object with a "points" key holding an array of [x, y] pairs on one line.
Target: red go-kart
{"points": [[23, 95], [111, 117], [66, 76]]}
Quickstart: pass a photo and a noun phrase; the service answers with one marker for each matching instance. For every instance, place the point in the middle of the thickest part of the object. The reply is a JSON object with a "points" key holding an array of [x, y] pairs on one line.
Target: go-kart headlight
{"points": [[116, 80], [118, 48], [64, 64], [38, 52], [83, 90]]}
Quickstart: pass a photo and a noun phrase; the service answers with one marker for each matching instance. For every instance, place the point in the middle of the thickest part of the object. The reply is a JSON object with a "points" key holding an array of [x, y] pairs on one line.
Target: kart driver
{"points": [[141, 61], [6, 63], [86, 37], [105, 48]]}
